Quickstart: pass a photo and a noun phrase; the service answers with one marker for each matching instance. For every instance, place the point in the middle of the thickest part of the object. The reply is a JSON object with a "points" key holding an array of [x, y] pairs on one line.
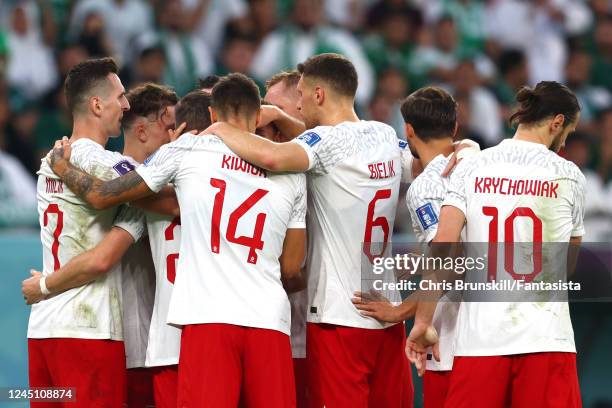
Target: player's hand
{"points": [[422, 336], [174, 134], [463, 149], [372, 304], [268, 114], [31, 288], [59, 155]]}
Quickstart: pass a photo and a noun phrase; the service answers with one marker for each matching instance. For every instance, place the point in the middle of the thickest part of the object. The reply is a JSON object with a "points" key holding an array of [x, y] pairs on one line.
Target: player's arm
{"points": [[289, 126], [292, 259], [81, 269], [164, 202], [261, 152]]}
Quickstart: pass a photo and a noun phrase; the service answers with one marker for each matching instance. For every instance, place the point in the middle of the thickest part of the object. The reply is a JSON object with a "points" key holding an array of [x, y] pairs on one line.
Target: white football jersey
{"points": [[138, 279], [69, 226], [353, 186], [299, 306], [424, 199], [164, 340], [531, 194], [234, 220]]}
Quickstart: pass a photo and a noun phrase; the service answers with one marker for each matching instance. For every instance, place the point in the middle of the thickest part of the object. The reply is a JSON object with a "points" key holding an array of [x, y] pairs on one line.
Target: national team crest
{"points": [[123, 167], [310, 138], [427, 215]]}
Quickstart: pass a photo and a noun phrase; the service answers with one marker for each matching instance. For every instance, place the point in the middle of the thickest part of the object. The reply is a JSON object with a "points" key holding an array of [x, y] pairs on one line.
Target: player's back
{"points": [[234, 220], [69, 226], [353, 185], [518, 191]]}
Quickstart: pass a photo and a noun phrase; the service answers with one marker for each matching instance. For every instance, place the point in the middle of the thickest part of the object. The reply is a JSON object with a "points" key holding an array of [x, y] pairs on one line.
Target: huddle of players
{"points": [[242, 227]]}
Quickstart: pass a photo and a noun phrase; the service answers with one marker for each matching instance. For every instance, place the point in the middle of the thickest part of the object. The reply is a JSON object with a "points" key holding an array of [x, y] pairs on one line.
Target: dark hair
{"points": [[548, 98], [234, 95], [432, 113], [334, 69], [193, 110], [147, 99], [209, 81], [84, 77], [510, 59], [288, 78]]}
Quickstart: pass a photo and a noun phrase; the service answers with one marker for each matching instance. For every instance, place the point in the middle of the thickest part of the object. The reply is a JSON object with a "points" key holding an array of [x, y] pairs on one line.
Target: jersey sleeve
{"points": [[579, 192], [298, 213], [101, 163], [132, 220], [324, 149], [162, 166], [456, 193], [406, 159], [424, 210]]}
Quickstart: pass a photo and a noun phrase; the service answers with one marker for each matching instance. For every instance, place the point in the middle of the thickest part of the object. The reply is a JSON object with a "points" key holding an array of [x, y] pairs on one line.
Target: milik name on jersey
{"points": [[381, 170], [54, 186], [505, 186], [237, 164]]}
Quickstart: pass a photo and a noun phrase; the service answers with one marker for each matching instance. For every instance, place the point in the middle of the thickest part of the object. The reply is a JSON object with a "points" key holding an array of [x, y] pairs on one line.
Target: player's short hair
{"points": [[335, 69], [84, 78], [431, 111], [235, 95], [147, 99], [208, 82], [289, 78], [193, 110], [547, 99]]}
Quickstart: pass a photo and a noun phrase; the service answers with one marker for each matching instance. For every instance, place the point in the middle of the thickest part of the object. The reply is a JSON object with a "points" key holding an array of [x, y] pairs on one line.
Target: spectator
{"points": [[31, 69], [187, 56], [93, 36], [513, 74], [262, 18], [602, 58], [470, 18], [393, 86], [54, 122], [237, 54], [307, 34], [123, 21]]}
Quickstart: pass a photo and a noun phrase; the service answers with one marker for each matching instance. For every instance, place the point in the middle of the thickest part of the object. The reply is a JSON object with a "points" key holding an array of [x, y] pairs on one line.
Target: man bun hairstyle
{"points": [[235, 95], [84, 78], [432, 113], [335, 69], [146, 100], [547, 99], [193, 110]]}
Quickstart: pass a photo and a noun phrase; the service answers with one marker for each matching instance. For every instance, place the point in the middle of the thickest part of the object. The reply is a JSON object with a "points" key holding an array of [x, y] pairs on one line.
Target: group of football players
{"points": [[249, 290]]}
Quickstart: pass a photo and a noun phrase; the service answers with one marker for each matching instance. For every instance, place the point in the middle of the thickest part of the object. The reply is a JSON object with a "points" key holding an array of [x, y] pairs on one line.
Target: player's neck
{"points": [[84, 128], [428, 151], [132, 149], [333, 116], [532, 134]]}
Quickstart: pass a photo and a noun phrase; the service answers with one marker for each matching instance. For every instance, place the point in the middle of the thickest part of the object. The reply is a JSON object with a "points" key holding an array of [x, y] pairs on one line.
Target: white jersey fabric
{"points": [[353, 185], [164, 340], [69, 226], [138, 279], [517, 174], [424, 199], [234, 219]]}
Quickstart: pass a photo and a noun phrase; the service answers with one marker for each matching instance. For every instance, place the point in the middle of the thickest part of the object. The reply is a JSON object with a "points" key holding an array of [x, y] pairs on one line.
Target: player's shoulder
{"points": [[568, 169], [430, 182]]}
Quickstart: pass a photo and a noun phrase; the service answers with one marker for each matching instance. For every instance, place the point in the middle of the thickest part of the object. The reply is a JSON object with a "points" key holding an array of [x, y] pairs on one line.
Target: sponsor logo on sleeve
{"points": [[310, 138], [427, 215], [402, 144], [123, 167]]}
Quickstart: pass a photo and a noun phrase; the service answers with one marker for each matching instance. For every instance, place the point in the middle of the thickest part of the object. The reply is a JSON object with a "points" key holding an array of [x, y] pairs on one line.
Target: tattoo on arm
{"points": [[119, 185], [77, 180]]}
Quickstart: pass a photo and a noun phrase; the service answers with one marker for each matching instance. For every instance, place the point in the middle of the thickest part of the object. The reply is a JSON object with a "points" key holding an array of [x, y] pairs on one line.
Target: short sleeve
{"points": [[162, 166], [298, 212], [456, 194], [424, 211], [132, 220], [406, 159], [324, 148], [578, 207]]}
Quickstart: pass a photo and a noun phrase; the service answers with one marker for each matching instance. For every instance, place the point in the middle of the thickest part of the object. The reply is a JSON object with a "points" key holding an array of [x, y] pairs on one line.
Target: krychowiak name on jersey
{"points": [[69, 226], [424, 200], [353, 185], [531, 194], [234, 219]]}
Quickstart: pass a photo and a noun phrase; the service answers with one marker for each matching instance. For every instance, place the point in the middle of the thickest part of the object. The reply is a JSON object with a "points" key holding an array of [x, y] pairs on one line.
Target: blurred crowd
{"points": [[482, 51]]}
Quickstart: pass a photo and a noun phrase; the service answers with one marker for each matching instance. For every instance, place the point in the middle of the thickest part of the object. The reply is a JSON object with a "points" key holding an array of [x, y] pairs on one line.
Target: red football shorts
{"points": [[219, 362], [435, 388], [94, 368], [165, 383], [357, 368], [140, 388], [543, 380], [299, 371]]}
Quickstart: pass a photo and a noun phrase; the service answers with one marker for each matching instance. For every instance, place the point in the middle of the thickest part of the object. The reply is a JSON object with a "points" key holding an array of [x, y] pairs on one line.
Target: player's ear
{"points": [[556, 124], [140, 130], [456, 129], [95, 105], [409, 131], [319, 95], [258, 118], [213, 115]]}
